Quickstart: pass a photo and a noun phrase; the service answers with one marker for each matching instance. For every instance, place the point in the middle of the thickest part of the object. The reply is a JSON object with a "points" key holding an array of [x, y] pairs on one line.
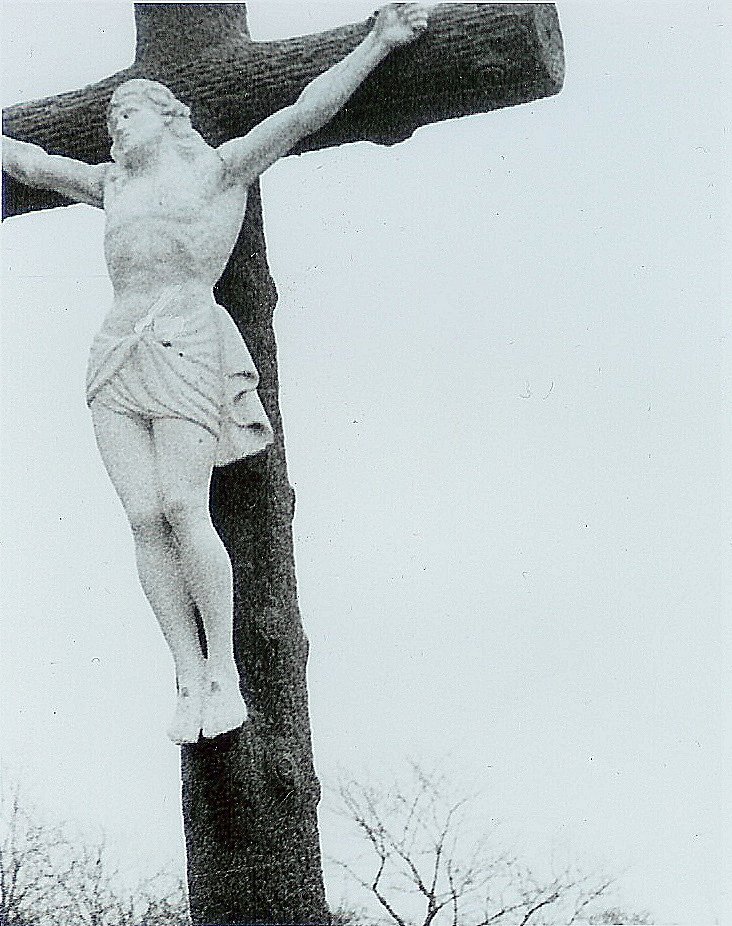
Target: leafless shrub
{"points": [[52, 877], [426, 871]]}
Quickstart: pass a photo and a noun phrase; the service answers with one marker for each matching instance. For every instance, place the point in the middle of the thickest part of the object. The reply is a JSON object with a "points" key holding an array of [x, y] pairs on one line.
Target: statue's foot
{"points": [[185, 727], [223, 706]]}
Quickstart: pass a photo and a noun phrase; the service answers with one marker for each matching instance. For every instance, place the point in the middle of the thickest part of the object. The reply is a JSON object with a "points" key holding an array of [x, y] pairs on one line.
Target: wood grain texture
{"points": [[250, 799], [474, 58]]}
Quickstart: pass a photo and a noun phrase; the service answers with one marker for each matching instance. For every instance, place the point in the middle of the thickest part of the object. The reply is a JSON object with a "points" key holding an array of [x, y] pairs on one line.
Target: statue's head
{"points": [[141, 112]]}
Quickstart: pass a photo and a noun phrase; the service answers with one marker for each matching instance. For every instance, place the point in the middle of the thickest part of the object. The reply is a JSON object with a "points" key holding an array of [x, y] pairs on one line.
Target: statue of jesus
{"points": [[171, 385]]}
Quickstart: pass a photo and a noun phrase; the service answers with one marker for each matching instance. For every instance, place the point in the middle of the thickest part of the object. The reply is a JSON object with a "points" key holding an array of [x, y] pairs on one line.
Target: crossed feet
{"points": [[210, 704]]}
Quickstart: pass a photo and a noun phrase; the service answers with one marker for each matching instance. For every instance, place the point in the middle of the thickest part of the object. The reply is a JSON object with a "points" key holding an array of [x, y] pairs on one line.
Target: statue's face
{"points": [[135, 123]]}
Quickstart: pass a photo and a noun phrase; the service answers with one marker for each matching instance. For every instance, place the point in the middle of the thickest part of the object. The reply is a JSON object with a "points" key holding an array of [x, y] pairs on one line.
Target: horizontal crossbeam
{"points": [[473, 58]]}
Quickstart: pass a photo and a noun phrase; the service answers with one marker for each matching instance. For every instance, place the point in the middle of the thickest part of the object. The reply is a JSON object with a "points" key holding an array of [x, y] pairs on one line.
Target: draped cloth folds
{"points": [[184, 359]]}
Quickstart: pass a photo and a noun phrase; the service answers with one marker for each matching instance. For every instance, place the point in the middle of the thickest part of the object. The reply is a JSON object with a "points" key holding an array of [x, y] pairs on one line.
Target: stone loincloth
{"points": [[185, 359]]}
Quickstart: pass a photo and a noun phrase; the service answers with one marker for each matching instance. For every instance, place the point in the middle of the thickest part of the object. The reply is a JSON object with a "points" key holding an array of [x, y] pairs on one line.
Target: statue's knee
{"points": [[148, 523], [181, 511]]}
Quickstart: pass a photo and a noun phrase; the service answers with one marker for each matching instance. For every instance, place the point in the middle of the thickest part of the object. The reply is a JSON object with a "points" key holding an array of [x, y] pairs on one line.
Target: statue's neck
{"points": [[146, 160]]}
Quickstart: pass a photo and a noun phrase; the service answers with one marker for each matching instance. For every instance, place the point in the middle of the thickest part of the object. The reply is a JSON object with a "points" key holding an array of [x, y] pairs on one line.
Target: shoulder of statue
{"points": [[225, 175], [112, 182], [113, 172]]}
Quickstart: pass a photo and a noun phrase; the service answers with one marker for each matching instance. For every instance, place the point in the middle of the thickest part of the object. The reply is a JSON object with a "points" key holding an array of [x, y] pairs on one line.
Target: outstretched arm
{"points": [[31, 165], [247, 157]]}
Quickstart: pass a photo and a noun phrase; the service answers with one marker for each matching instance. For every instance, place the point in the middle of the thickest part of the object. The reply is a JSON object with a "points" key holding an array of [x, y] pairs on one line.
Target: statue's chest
{"points": [[174, 196]]}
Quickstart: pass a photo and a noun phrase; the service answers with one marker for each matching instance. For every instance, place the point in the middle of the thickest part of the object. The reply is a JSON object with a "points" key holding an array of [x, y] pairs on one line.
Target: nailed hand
{"points": [[400, 23]]}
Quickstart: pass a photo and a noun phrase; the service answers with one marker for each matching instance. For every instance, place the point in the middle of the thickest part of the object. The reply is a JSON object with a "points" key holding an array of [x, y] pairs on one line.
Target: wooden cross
{"points": [[250, 802]]}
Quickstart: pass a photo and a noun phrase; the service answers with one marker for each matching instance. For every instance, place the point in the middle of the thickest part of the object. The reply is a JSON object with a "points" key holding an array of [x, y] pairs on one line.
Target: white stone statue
{"points": [[171, 385]]}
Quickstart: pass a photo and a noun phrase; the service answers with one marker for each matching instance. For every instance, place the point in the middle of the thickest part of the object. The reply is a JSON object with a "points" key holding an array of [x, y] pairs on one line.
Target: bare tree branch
{"points": [[591, 898], [419, 841], [542, 903], [50, 875]]}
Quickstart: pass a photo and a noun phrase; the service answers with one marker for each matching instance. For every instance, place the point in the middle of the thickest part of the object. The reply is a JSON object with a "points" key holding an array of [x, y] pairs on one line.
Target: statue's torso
{"points": [[173, 224]]}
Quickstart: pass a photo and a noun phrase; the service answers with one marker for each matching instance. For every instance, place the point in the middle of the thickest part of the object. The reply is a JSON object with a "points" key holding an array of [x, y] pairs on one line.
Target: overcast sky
{"points": [[499, 353]]}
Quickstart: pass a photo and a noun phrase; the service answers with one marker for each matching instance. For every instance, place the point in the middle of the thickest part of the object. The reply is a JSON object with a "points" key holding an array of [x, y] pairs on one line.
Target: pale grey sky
{"points": [[499, 351]]}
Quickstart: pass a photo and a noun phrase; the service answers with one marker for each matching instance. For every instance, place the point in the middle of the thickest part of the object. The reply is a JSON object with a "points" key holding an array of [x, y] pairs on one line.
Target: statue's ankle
{"points": [[190, 682], [222, 668]]}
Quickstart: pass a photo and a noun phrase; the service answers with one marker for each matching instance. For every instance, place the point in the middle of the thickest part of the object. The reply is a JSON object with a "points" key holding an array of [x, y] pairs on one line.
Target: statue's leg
{"points": [[185, 457], [126, 447]]}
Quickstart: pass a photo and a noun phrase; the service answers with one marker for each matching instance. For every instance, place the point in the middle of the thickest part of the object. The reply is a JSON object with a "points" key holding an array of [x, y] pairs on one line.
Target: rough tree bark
{"points": [[474, 58], [250, 799]]}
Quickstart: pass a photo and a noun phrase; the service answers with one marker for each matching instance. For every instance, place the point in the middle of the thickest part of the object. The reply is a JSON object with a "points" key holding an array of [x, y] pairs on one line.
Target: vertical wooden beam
{"points": [[250, 800]]}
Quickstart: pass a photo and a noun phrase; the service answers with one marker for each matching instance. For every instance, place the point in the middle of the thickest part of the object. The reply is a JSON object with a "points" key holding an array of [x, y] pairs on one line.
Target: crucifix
{"points": [[250, 795]]}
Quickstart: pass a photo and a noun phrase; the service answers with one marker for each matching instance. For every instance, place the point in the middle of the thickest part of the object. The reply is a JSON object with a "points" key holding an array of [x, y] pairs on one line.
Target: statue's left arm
{"points": [[246, 158]]}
